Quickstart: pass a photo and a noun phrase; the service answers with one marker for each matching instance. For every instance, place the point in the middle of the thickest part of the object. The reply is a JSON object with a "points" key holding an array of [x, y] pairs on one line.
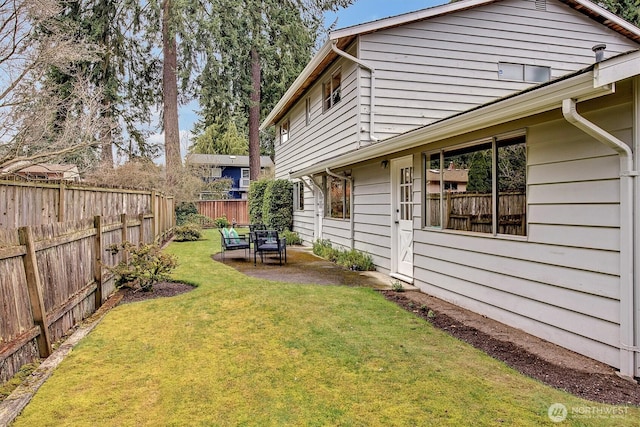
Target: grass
{"points": [[243, 351]]}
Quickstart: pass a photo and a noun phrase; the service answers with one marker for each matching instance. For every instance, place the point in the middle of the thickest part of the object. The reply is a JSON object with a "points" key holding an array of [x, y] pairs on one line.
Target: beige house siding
{"points": [[562, 281], [429, 70], [330, 133]]}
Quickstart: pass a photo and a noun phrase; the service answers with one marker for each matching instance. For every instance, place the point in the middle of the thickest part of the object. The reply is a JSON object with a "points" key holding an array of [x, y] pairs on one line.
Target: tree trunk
{"points": [[254, 117], [170, 94], [106, 155]]}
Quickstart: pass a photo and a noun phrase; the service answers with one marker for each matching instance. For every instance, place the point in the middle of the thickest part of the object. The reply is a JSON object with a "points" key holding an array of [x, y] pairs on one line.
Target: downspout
{"points": [[372, 96], [627, 182], [351, 215], [636, 148]]}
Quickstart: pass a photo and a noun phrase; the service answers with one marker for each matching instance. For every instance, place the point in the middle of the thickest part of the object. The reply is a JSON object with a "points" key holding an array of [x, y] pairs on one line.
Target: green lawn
{"points": [[243, 351]]}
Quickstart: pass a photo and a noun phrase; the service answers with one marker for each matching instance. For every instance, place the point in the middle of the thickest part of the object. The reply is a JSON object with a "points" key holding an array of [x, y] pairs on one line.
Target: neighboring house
{"points": [[50, 171], [543, 235], [216, 166]]}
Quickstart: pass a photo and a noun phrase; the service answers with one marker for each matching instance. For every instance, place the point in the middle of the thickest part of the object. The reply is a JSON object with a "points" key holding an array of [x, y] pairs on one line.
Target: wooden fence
{"points": [[55, 274], [231, 209], [34, 203], [474, 212]]}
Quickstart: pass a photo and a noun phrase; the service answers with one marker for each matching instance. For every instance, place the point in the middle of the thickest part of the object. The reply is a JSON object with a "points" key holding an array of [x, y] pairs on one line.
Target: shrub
{"points": [[183, 210], [256, 198], [352, 258], [292, 237], [141, 267], [322, 248], [188, 232], [201, 220], [221, 222], [277, 204]]}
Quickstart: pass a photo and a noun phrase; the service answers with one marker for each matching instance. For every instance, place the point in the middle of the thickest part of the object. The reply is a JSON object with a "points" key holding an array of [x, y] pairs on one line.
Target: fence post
{"points": [[154, 220], [34, 286], [141, 231], [97, 274], [61, 203], [123, 220]]}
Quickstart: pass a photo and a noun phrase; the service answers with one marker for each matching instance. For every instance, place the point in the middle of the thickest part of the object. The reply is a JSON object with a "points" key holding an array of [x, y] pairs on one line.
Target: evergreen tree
{"points": [[626, 9], [257, 48]]}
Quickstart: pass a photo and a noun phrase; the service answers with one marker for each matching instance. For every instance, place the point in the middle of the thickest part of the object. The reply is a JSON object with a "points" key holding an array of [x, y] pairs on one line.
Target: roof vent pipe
{"points": [[599, 51]]}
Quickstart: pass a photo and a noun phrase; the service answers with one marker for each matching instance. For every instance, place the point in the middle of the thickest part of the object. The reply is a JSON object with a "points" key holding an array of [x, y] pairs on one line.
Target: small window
{"points": [[244, 180], [215, 172], [523, 72], [307, 110], [332, 91], [298, 196], [284, 131], [338, 198]]}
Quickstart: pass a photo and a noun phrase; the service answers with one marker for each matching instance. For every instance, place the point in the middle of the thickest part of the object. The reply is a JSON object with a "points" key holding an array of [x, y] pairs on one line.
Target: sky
{"points": [[360, 11]]}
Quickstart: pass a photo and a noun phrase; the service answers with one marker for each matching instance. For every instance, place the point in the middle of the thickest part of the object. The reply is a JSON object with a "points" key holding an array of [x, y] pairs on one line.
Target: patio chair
{"points": [[231, 243], [268, 241]]}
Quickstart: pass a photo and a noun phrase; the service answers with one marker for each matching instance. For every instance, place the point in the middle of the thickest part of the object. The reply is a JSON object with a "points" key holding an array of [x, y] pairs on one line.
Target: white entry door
{"points": [[402, 218]]}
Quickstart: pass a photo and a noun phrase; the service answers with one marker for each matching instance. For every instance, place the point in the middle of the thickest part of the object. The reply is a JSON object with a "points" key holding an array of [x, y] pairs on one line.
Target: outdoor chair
{"points": [[268, 241], [234, 243]]}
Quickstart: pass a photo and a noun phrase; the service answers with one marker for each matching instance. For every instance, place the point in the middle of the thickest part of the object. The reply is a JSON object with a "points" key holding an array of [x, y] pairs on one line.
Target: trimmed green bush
{"points": [[221, 222], [183, 210], [277, 205], [256, 198], [142, 267], [188, 232]]}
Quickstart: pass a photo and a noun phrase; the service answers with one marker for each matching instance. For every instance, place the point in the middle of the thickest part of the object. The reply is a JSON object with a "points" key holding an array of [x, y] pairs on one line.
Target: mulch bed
{"points": [[161, 289], [597, 387]]}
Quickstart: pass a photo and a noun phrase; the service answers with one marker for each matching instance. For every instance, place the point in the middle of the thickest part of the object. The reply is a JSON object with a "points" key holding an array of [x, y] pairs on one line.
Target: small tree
{"points": [[277, 206]]}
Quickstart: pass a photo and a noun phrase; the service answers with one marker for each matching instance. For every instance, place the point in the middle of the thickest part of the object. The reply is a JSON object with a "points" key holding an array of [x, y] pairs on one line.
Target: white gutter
{"points": [[351, 216], [627, 182], [372, 97]]}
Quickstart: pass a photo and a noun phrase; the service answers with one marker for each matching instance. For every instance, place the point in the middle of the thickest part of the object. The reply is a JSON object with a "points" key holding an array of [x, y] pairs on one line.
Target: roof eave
{"points": [[545, 98]]}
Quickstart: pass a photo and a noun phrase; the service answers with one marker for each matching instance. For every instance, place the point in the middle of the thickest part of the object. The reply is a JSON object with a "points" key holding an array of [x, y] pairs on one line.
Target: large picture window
{"points": [[479, 188], [338, 198]]}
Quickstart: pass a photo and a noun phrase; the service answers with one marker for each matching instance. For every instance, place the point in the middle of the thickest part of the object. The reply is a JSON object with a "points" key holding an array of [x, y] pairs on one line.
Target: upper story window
{"points": [[307, 111], [523, 72], [285, 131], [331, 90], [215, 172], [479, 187], [244, 177]]}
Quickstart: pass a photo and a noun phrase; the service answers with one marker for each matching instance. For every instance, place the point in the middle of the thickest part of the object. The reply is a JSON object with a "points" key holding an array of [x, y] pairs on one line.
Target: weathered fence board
{"points": [[54, 274]]}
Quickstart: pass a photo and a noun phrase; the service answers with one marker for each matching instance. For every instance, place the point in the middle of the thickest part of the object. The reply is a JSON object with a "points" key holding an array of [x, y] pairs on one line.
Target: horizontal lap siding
{"points": [[429, 70], [372, 200], [303, 221], [329, 134], [562, 282]]}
